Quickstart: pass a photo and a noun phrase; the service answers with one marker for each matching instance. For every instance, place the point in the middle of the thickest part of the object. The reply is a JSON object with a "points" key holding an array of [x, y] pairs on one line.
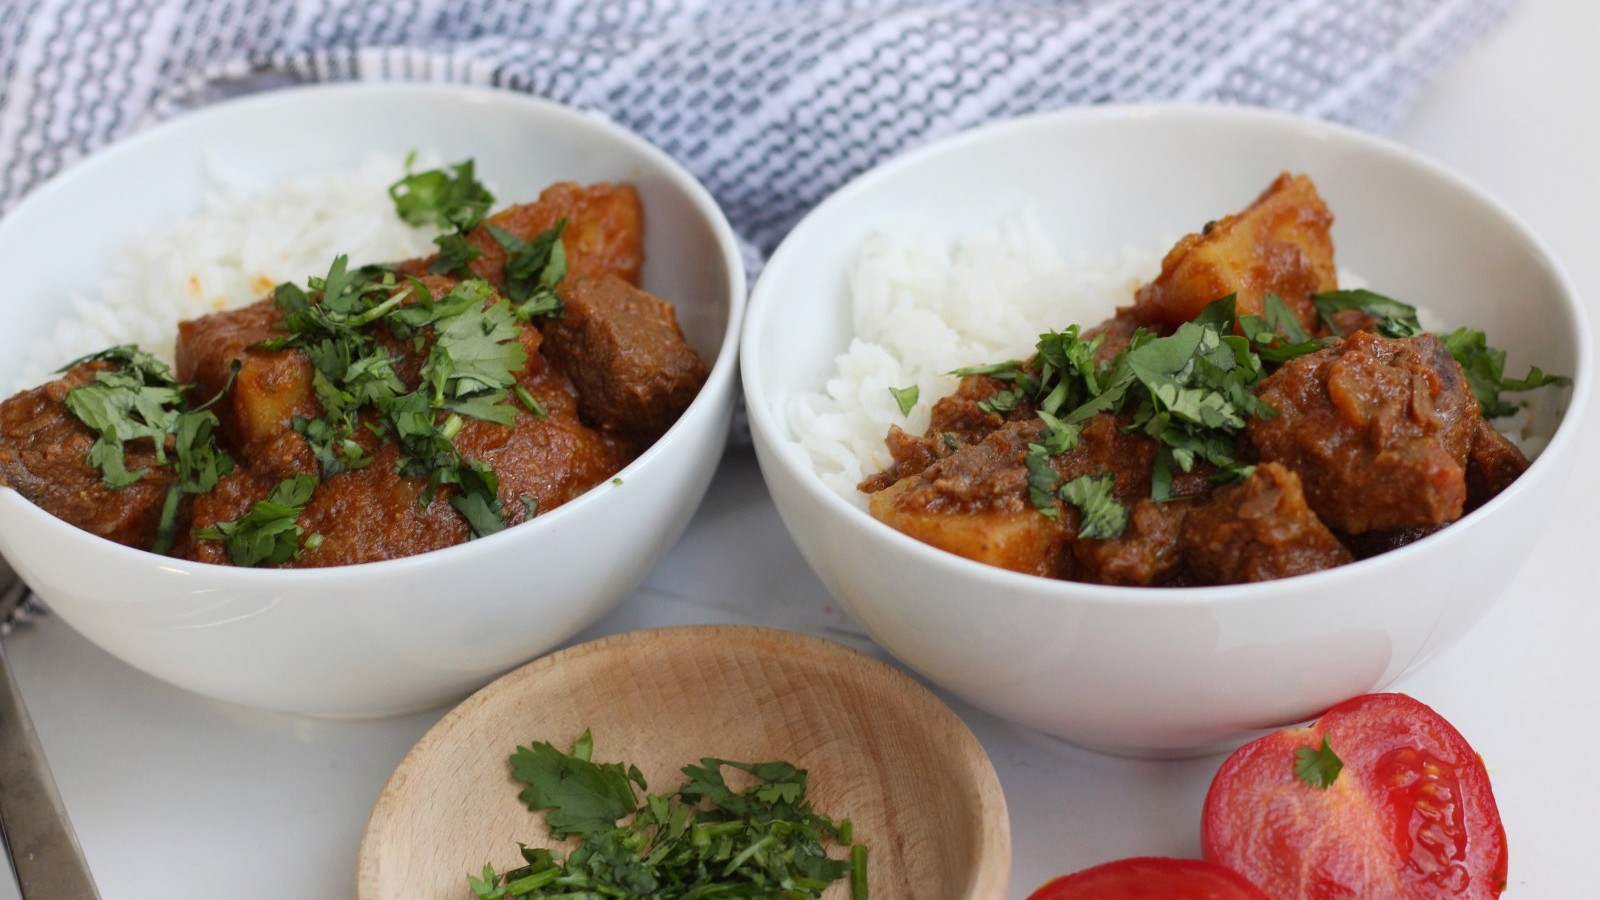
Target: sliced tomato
{"points": [[1151, 878], [1410, 814]]}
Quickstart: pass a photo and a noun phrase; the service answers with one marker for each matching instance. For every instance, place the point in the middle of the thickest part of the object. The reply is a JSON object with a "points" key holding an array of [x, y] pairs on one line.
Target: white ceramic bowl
{"points": [[1165, 671], [383, 637]]}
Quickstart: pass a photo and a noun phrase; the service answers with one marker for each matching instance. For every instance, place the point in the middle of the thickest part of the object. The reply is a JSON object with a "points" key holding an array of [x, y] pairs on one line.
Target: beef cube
{"points": [[1376, 428], [1146, 554], [634, 371], [44, 452], [1258, 530], [1493, 462]]}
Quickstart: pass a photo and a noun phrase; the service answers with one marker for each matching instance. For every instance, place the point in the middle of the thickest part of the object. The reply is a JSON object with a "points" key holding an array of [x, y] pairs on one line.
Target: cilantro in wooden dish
{"points": [[706, 839]]}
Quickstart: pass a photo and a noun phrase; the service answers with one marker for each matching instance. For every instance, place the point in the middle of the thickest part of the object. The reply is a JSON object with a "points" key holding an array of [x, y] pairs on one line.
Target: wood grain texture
{"points": [[880, 748]]}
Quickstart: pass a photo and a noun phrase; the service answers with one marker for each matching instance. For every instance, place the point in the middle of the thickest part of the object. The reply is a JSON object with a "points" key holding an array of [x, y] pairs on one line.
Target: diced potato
{"points": [[1279, 244], [273, 386]]}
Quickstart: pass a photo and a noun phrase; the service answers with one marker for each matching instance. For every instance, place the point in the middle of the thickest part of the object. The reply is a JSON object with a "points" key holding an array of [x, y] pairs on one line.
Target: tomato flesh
{"points": [[1151, 878], [1411, 814]]}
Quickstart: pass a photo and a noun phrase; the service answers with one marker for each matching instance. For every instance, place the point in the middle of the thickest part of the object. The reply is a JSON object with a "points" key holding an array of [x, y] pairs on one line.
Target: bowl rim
{"points": [[722, 371], [765, 297], [992, 866]]}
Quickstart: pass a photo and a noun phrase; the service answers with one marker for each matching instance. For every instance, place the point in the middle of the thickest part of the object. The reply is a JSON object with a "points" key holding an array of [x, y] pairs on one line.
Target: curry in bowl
{"points": [[382, 411], [1242, 420]]}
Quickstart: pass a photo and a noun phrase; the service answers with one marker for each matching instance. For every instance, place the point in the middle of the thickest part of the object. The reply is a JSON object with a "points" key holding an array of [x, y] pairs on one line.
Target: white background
{"points": [[175, 796]]}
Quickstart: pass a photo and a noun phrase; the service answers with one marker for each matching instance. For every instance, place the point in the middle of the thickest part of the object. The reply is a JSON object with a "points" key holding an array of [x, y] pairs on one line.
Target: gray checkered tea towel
{"points": [[772, 104]]}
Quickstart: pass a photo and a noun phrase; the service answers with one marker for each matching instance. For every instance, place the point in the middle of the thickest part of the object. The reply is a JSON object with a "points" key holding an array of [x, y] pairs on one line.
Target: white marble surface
{"points": [[175, 796]]}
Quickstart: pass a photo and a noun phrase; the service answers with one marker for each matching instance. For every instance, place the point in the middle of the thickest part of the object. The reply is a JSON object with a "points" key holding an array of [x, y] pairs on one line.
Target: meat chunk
{"points": [[1280, 244], [954, 421], [1493, 462], [604, 234], [1258, 530], [1146, 554], [44, 451], [1376, 428], [634, 371], [975, 503]]}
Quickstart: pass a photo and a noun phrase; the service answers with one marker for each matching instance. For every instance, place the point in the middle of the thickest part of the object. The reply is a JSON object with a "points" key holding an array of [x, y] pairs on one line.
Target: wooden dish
{"points": [[880, 748]]}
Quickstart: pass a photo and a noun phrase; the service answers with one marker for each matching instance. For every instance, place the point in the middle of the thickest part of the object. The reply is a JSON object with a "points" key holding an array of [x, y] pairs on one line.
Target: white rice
{"points": [[246, 240], [922, 307]]}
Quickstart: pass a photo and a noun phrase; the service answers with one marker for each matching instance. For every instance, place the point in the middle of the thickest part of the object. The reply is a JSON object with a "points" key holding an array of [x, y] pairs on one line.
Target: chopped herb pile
{"points": [[470, 371], [706, 840]]}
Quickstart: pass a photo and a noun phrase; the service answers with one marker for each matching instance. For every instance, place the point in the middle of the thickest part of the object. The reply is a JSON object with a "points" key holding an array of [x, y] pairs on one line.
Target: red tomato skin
{"points": [[1151, 878], [1411, 815]]}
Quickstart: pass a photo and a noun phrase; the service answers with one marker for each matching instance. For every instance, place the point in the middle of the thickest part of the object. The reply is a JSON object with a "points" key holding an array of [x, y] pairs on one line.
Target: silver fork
{"points": [[39, 839]]}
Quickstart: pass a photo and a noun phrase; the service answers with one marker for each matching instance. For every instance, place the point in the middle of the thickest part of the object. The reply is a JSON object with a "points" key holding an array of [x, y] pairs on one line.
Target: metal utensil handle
{"points": [[44, 850]]}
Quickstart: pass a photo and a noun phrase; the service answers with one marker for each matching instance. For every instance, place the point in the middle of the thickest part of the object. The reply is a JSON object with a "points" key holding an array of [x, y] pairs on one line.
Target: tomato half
{"points": [[1410, 814], [1151, 878]]}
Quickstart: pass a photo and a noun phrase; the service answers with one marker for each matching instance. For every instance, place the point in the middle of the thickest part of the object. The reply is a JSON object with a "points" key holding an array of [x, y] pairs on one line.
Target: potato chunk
{"points": [[1279, 244], [975, 503], [272, 387]]}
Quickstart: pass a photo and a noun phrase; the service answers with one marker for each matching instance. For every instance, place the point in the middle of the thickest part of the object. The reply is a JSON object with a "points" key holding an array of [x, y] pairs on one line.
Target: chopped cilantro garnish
{"points": [[268, 533], [1001, 402], [437, 197], [705, 840], [1394, 319], [905, 398], [137, 399], [533, 269], [141, 399], [470, 370], [1101, 515], [1043, 479], [455, 252], [1485, 367], [1317, 767]]}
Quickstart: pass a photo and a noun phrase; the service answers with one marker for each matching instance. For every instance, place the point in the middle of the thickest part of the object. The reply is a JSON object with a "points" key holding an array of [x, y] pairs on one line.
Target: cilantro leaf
{"points": [[905, 398], [1485, 366], [141, 399], [578, 796], [1394, 319], [1102, 515], [437, 197], [268, 533], [1317, 767], [455, 252], [138, 398], [533, 268]]}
